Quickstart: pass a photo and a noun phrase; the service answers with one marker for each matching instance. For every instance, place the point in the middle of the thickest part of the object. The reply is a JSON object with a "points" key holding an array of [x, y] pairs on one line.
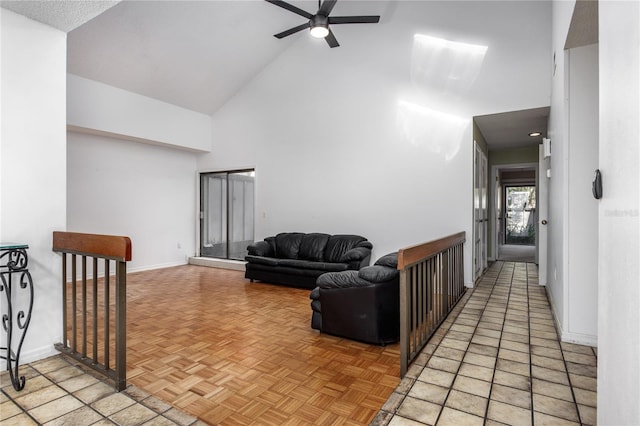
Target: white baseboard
{"points": [[565, 336], [579, 339], [33, 355], [158, 266], [235, 265]]}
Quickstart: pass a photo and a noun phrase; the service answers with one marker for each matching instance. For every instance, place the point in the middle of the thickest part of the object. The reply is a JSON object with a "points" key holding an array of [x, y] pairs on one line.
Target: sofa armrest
{"points": [[357, 257], [378, 273], [260, 248], [337, 280]]}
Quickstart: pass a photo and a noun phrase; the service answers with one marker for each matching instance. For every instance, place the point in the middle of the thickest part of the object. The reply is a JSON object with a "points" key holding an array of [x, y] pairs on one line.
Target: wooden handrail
{"points": [[105, 246], [409, 256], [74, 247], [431, 283]]}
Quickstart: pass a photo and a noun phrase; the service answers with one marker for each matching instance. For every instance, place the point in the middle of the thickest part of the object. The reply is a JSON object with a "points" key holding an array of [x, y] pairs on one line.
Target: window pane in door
{"points": [[240, 213], [227, 213], [213, 231]]}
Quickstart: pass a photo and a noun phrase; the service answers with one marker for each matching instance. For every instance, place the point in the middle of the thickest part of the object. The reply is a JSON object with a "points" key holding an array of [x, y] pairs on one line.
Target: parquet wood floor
{"points": [[237, 353]]}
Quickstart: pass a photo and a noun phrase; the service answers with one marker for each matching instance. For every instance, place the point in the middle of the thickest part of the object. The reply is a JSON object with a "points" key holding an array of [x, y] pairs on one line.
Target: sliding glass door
{"points": [[226, 213]]}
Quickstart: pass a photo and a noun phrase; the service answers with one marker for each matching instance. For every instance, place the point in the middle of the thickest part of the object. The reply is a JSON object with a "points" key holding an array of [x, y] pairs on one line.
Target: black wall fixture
{"points": [[596, 185]]}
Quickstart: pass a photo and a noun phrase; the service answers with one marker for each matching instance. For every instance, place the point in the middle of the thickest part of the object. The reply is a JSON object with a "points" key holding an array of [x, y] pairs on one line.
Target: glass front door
{"points": [[520, 220]]}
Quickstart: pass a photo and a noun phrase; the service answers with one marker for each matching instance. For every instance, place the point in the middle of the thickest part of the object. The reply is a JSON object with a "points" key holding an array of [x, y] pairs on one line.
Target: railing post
{"points": [[121, 325], [404, 323]]}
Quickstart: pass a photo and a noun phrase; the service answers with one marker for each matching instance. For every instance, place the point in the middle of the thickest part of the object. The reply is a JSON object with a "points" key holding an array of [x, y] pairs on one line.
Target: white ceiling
{"points": [[198, 54], [195, 54], [63, 15], [511, 129]]}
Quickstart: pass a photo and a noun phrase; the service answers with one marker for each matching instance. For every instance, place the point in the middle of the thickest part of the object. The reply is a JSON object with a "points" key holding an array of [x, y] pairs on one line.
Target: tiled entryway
{"points": [[58, 391], [497, 360]]}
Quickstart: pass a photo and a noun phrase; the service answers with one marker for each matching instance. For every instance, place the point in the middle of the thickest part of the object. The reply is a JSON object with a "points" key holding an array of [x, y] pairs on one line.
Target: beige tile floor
{"points": [[495, 360], [59, 391]]}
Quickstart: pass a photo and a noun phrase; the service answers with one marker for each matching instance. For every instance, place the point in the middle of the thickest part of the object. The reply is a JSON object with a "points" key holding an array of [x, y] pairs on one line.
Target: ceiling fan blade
{"points": [[331, 40], [292, 30], [291, 8], [327, 7], [354, 19]]}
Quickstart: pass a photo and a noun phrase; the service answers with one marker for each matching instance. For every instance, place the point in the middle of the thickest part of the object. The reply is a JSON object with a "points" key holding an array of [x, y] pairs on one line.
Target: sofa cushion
{"points": [[312, 247], [316, 266], [338, 245], [378, 274], [390, 260], [341, 280], [315, 294], [288, 245], [260, 248], [262, 260]]}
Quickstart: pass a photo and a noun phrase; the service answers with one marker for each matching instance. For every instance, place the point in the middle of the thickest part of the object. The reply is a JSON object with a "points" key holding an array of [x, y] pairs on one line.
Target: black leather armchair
{"points": [[361, 305]]}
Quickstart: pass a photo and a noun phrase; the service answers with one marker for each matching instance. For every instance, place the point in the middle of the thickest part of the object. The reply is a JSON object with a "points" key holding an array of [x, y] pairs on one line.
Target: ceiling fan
{"points": [[319, 23]]}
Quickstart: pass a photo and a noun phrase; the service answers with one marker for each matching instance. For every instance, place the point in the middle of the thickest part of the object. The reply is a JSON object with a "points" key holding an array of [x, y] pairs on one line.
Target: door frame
{"points": [[480, 231], [493, 220]]}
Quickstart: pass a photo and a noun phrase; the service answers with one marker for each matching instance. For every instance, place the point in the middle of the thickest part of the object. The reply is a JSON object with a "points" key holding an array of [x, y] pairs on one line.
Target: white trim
{"points": [[33, 355], [235, 265], [157, 266], [580, 339]]}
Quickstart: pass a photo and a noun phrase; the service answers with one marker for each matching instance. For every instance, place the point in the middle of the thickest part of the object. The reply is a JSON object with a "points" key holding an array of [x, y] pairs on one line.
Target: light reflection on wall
{"points": [[439, 132], [443, 65]]}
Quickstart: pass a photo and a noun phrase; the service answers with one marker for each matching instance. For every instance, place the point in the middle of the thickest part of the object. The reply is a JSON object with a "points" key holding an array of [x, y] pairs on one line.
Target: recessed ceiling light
{"points": [[534, 134]]}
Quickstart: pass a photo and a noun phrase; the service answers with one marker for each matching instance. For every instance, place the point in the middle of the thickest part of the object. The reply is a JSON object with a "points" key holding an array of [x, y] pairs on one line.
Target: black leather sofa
{"points": [[361, 305], [297, 259]]}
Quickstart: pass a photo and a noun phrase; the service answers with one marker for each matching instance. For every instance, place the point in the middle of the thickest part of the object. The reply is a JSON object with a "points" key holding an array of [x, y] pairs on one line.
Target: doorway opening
{"points": [[226, 213], [515, 197], [519, 223]]}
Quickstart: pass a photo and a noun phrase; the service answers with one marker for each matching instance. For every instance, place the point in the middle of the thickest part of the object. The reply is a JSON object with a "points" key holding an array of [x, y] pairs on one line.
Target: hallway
{"points": [[497, 360], [517, 253]]}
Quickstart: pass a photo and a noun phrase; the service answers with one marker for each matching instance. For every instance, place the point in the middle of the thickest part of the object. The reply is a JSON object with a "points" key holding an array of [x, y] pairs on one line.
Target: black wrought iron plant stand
{"points": [[15, 321]]}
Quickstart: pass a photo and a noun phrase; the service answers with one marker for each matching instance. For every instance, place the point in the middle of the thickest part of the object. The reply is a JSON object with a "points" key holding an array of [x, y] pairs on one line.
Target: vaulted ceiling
{"points": [[198, 54]]}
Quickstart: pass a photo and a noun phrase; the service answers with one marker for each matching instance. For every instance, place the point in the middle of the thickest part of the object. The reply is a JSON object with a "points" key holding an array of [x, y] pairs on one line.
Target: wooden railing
{"points": [[76, 342], [431, 283]]}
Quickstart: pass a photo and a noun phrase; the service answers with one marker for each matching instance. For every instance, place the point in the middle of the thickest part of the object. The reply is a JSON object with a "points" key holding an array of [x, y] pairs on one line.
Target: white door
{"points": [[480, 218], [543, 214]]}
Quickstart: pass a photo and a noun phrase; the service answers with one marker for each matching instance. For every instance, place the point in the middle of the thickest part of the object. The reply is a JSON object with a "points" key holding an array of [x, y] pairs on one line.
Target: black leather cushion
{"points": [[288, 245], [390, 260], [341, 280], [315, 294], [316, 266], [260, 248], [338, 245], [312, 247], [272, 242], [355, 254], [261, 260], [377, 273]]}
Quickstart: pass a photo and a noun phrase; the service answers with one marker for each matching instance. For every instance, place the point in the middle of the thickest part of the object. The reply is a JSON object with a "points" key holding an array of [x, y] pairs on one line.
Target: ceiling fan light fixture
{"points": [[319, 31]]}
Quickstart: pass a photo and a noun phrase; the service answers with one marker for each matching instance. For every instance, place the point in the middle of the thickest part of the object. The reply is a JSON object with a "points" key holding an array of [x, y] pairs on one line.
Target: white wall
{"points": [[96, 107], [143, 191], [619, 214], [375, 137], [582, 225], [33, 164], [557, 287]]}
